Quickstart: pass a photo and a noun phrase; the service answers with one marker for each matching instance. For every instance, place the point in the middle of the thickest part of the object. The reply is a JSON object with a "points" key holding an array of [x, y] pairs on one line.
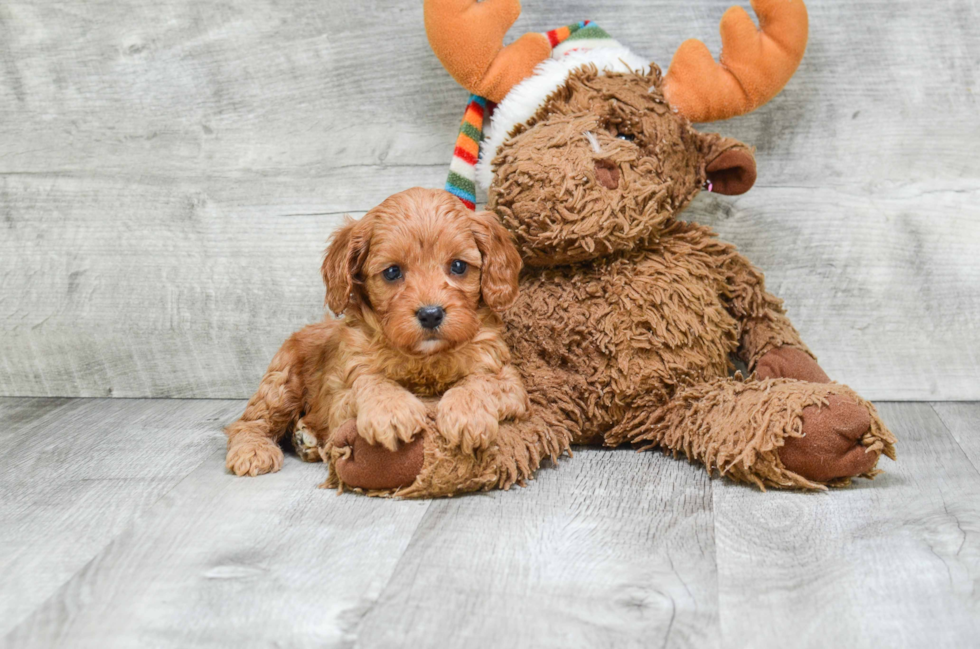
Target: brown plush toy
{"points": [[627, 317]]}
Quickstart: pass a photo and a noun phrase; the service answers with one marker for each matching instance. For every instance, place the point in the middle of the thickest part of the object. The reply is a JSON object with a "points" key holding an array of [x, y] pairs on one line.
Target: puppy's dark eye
{"points": [[391, 273], [629, 137], [458, 267]]}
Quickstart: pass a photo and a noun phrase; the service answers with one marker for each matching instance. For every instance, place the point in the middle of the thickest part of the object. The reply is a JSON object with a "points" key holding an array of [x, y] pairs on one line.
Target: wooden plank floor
{"points": [[120, 528]]}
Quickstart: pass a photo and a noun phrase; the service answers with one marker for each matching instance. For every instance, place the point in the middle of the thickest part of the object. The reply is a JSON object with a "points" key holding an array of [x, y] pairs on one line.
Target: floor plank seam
{"points": [[68, 401], [384, 589], [714, 532], [129, 527], [949, 431]]}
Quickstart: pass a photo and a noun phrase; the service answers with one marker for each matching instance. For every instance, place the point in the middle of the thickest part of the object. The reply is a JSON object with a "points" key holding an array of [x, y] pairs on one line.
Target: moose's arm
{"points": [[768, 344]]}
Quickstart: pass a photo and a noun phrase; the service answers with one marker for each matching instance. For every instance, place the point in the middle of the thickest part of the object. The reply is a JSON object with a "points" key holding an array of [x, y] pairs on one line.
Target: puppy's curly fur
{"points": [[418, 249]]}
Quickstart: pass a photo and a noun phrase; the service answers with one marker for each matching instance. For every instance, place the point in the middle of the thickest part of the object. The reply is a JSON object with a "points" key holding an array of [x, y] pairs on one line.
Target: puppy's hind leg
{"points": [[253, 447], [308, 440]]}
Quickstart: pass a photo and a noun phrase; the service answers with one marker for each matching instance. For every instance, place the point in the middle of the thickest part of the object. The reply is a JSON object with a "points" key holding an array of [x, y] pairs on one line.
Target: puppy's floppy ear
{"points": [[501, 261], [343, 260]]}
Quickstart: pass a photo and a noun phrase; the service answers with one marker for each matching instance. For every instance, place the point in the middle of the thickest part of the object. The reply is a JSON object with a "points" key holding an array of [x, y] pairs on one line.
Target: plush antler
{"points": [[467, 36], [753, 67]]}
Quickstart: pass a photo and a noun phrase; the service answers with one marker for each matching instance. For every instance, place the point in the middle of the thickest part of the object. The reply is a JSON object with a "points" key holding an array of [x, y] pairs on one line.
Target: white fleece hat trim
{"points": [[524, 99]]}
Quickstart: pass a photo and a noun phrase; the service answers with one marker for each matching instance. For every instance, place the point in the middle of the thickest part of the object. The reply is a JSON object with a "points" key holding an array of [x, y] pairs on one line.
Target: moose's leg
{"points": [[556, 415], [773, 432], [790, 363], [355, 462], [772, 349], [431, 466], [842, 419]]}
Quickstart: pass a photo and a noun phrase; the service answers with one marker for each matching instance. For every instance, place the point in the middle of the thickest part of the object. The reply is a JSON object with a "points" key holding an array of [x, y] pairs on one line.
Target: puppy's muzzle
{"points": [[430, 317]]}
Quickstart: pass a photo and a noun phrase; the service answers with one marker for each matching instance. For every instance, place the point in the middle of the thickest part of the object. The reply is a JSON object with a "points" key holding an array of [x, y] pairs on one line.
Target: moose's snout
{"points": [[607, 173], [430, 317]]}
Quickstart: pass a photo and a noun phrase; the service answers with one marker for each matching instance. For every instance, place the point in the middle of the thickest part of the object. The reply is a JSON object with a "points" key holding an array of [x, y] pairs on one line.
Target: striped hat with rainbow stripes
{"points": [[572, 46]]}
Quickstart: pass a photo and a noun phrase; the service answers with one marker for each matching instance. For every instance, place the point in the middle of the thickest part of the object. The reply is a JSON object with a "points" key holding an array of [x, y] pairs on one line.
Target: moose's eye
{"points": [[391, 273], [629, 137], [458, 267]]}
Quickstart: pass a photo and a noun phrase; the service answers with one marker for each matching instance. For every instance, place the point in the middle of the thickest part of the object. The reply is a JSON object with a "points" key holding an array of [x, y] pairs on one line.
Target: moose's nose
{"points": [[430, 317], [607, 173]]}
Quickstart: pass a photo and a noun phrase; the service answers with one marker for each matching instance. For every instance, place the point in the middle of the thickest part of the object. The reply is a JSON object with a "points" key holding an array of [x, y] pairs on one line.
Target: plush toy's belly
{"points": [[620, 333]]}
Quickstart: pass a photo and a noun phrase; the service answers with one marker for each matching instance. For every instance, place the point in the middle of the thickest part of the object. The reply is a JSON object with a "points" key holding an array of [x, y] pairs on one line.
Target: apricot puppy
{"points": [[419, 280]]}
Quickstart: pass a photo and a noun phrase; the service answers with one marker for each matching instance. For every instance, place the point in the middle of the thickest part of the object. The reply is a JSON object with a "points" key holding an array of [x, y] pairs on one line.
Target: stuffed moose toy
{"points": [[628, 317]]}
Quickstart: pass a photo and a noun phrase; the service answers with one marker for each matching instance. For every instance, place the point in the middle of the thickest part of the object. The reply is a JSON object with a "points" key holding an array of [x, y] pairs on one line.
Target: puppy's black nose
{"points": [[430, 317]]}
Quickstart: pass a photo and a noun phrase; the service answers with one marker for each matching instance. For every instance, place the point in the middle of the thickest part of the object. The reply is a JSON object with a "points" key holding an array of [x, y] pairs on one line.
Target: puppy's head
{"points": [[419, 265]]}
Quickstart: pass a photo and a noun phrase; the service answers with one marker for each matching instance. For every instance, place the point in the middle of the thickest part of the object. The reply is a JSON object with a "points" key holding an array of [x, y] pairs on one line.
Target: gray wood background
{"points": [[170, 171]]}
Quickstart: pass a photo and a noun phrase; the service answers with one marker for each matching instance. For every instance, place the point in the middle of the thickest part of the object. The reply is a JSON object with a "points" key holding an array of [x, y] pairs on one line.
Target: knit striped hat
{"points": [[462, 170], [572, 47]]}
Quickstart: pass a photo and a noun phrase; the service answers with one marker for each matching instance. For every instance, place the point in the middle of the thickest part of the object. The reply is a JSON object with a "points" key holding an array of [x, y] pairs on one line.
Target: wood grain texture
{"points": [[132, 534], [963, 422], [224, 561], [894, 562], [75, 473], [169, 174], [610, 549]]}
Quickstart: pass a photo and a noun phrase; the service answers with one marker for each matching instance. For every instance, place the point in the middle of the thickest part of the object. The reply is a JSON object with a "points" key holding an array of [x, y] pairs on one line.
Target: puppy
{"points": [[418, 280]]}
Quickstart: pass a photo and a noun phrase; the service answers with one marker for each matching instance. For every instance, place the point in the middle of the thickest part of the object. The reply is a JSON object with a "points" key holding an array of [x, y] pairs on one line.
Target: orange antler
{"points": [[467, 36], [753, 67]]}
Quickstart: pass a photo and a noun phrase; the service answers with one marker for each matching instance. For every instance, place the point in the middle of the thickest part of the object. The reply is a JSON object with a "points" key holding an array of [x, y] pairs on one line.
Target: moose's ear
{"points": [[729, 165], [343, 260]]}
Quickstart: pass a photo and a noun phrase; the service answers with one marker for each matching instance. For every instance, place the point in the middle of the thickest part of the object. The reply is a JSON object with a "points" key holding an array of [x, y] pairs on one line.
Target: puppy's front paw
{"points": [[463, 420], [391, 420], [254, 456]]}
